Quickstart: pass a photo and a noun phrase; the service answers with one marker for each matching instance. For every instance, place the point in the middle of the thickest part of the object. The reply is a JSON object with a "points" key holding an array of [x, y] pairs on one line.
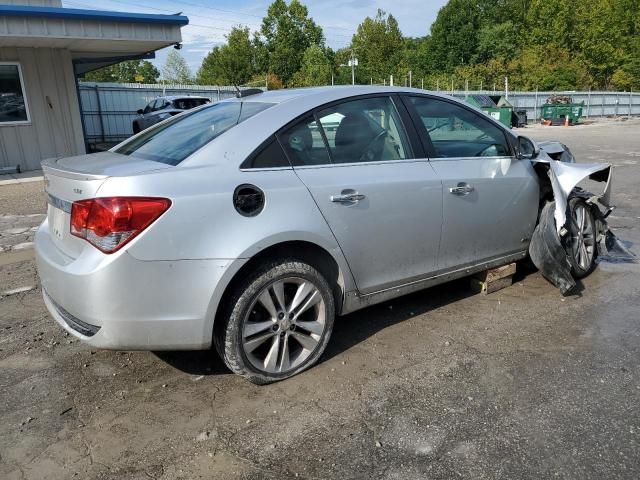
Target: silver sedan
{"points": [[250, 224]]}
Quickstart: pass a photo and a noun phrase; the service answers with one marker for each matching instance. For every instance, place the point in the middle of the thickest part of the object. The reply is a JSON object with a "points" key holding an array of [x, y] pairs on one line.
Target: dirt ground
{"points": [[520, 384]]}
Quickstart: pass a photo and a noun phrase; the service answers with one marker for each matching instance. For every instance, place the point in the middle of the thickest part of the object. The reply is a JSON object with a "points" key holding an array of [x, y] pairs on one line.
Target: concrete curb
{"points": [[25, 177]]}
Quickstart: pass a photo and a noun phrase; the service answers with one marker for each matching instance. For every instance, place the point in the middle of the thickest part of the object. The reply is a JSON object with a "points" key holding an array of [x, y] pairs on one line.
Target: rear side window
{"points": [[458, 132], [304, 144], [175, 140], [270, 156]]}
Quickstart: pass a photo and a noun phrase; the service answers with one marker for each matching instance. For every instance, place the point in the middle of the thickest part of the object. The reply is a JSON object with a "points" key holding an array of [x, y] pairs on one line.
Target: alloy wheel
{"points": [[284, 325], [583, 239]]}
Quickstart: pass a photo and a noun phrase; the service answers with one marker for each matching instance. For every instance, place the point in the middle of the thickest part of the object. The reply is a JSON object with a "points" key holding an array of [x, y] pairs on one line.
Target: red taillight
{"points": [[109, 223]]}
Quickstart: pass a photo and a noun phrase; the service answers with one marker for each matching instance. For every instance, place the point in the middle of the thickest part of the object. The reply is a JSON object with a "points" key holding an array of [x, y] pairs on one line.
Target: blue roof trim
{"points": [[96, 15]]}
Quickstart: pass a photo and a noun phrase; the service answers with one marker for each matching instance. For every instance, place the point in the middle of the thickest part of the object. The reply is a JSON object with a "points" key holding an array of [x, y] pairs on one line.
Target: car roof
{"points": [[330, 93], [182, 97]]}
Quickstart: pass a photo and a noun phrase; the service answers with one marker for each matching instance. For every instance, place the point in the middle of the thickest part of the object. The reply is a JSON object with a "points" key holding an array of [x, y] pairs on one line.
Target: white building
{"points": [[43, 48]]}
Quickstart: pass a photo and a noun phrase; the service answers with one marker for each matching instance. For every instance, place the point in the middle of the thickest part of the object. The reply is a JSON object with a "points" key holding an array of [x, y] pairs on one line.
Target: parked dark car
{"points": [[162, 108]]}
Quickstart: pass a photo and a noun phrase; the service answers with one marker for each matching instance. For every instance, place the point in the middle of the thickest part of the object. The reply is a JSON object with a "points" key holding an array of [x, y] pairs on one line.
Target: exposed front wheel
{"points": [[136, 128], [279, 322], [580, 244]]}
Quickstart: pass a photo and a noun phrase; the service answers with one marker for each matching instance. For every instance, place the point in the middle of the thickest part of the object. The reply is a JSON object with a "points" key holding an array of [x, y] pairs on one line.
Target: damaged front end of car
{"points": [[559, 178]]}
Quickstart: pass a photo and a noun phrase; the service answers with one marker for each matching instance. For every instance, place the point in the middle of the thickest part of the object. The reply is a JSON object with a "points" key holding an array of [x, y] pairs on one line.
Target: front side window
{"points": [[13, 104], [175, 140], [366, 130], [458, 132]]}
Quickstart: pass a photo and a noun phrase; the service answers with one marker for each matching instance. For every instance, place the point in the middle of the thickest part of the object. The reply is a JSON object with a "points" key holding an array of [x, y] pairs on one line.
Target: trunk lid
{"points": [[77, 178]]}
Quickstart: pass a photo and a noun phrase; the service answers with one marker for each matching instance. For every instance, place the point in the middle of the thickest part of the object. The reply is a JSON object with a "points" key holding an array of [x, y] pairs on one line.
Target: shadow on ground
{"points": [[354, 328]]}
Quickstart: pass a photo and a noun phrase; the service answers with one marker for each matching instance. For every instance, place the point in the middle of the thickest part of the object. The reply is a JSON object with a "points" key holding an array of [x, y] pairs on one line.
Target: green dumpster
{"points": [[556, 113], [495, 106]]}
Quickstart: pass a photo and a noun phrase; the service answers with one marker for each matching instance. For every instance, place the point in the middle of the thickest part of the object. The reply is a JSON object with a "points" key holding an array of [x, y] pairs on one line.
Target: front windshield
{"points": [[178, 138]]}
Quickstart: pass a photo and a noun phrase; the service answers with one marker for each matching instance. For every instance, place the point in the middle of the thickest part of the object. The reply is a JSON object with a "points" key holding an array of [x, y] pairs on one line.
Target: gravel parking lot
{"points": [[520, 384]]}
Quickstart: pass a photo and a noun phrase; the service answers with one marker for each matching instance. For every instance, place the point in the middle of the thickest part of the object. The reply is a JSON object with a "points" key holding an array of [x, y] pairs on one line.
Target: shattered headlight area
{"points": [[554, 234]]}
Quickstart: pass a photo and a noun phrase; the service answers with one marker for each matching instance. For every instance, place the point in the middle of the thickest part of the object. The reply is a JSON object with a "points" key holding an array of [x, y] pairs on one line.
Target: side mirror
{"points": [[527, 149], [140, 111]]}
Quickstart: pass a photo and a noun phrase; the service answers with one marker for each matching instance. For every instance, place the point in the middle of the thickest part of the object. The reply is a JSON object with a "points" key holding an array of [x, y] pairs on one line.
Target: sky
{"points": [[210, 21]]}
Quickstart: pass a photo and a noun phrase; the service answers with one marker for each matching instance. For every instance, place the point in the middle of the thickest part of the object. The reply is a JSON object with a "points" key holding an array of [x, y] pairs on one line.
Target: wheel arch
{"points": [[333, 269]]}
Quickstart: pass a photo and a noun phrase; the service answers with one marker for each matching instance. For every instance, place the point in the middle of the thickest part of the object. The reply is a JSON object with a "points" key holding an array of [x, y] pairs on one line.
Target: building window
{"points": [[13, 101]]}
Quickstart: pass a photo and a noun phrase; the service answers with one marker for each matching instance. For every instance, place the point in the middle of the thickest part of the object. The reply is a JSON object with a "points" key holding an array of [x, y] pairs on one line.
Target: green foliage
{"points": [[315, 69], [556, 45], [286, 33], [497, 40], [627, 77], [176, 70], [126, 72], [230, 64], [454, 34], [540, 44], [378, 45]]}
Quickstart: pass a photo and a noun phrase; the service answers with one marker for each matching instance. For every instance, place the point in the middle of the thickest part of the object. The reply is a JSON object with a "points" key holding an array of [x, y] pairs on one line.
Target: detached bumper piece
{"points": [[74, 323], [548, 254]]}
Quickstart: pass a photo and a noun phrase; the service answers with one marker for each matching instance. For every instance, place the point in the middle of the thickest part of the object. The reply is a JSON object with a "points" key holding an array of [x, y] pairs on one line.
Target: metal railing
{"points": [[108, 109], [596, 104]]}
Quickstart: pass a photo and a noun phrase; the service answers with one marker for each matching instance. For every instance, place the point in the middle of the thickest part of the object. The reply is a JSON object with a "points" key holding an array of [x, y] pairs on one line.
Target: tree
{"points": [[415, 56], [210, 71], [127, 72], [378, 45], [286, 32], [454, 34], [176, 69], [497, 40], [315, 70], [627, 77], [230, 64]]}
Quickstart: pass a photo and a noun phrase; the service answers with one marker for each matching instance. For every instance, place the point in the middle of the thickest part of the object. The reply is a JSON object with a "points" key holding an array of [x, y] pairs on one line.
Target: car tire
{"points": [[277, 322], [136, 128], [580, 241]]}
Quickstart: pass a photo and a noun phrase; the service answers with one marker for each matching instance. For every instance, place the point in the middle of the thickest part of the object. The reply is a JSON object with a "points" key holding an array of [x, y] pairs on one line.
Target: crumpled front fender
{"points": [[566, 176], [547, 247]]}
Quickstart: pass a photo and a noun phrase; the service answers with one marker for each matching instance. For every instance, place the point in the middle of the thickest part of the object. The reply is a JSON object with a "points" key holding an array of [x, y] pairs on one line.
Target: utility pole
{"points": [[353, 67], [506, 87], [422, 84], [410, 79], [391, 81]]}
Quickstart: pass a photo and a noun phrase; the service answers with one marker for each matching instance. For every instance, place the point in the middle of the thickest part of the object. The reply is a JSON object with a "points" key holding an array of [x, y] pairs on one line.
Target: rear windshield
{"points": [[175, 140], [189, 103]]}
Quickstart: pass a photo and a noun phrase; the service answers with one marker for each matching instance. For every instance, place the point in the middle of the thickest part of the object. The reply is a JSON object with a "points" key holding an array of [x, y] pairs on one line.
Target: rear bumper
{"points": [[119, 302]]}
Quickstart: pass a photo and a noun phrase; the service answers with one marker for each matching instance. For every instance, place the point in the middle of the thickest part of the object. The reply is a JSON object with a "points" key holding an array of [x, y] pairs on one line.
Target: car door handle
{"points": [[462, 189], [347, 198]]}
